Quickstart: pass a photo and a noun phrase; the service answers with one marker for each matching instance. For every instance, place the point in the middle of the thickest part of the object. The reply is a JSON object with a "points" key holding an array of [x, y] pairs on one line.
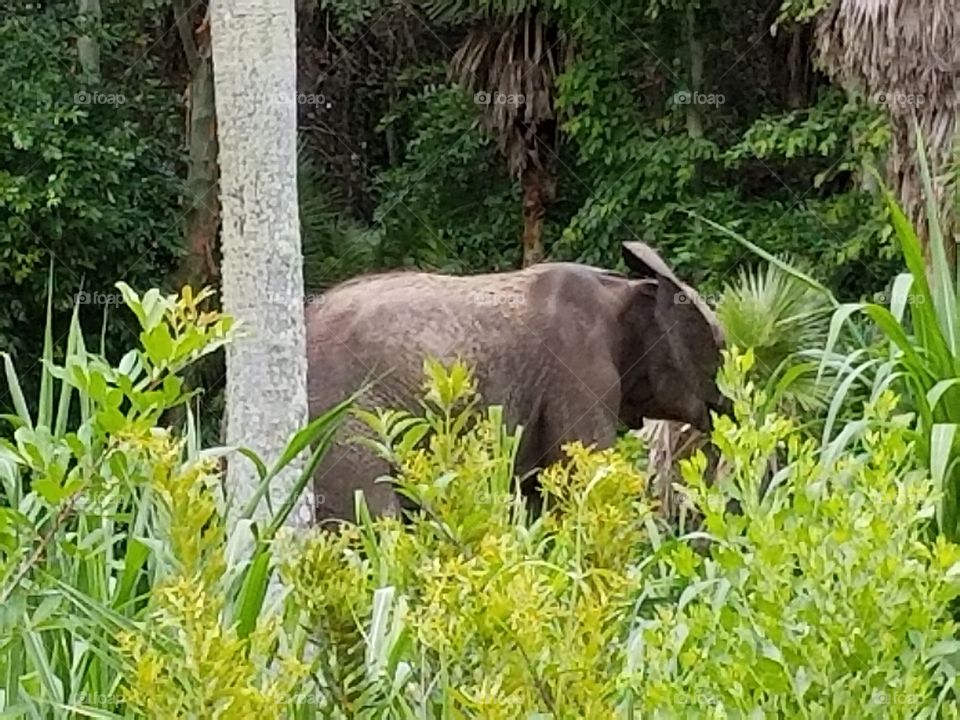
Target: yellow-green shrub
{"points": [[822, 599], [124, 596]]}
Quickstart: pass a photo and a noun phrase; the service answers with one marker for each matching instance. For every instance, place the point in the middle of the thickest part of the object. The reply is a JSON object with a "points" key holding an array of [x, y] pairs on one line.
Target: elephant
{"points": [[569, 351]]}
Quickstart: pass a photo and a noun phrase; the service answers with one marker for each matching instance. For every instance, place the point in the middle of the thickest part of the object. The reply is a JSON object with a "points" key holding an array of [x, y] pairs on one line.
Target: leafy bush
{"points": [[124, 595], [118, 588], [820, 600], [449, 204], [88, 179]]}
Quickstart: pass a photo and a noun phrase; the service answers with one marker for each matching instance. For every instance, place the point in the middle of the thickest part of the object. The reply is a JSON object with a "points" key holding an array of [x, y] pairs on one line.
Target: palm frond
{"points": [[780, 317], [511, 66], [904, 56]]}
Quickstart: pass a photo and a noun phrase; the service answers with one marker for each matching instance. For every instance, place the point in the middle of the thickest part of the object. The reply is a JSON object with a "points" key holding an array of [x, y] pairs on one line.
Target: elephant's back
{"points": [[508, 326], [380, 329]]}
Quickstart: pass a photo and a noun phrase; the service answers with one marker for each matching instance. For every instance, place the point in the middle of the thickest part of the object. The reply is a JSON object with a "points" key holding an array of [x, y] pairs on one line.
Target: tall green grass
{"points": [[922, 325], [84, 532]]}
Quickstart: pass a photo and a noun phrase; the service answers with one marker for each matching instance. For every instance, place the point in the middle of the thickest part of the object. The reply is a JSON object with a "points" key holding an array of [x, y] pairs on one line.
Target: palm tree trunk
{"points": [[254, 58], [905, 56], [534, 210]]}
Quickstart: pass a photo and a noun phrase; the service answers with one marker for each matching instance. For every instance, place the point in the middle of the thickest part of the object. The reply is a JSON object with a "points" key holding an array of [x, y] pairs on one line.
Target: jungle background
{"points": [[442, 134]]}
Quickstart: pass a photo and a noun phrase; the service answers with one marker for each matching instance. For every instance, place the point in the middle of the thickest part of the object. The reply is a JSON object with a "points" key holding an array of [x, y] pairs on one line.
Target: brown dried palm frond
{"points": [[905, 54], [667, 444], [514, 67]]}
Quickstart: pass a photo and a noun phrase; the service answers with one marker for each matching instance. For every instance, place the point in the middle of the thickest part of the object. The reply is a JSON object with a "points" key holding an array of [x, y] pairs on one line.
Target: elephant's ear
{"points": [[644, 261]]}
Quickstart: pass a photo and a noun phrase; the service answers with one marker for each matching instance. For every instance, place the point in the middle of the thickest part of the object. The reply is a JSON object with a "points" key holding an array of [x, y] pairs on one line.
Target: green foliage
{"points": [[922, 325], [121, 594], [449, 205], [801, 10], [648, 174], [820, 600], [779, 317], [628, 164], [335, 246], [484, 614], [87, 178], [350, 15], [835, 125], [124, 596]]}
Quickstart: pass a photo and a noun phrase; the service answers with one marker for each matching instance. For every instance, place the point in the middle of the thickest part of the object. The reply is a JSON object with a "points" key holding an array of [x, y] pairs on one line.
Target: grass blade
{"points": [[841, 395], [303, 439], [45, 406], [16, 393], [253, 591], [941, 449], [770, 258]]}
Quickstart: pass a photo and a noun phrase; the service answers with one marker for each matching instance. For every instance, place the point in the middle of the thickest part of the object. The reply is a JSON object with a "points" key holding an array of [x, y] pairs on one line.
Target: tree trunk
{"points": [[201, 205], [798, 66], [694, 119], [199, 266], [88, 49], [534, 209], [254, 59]]}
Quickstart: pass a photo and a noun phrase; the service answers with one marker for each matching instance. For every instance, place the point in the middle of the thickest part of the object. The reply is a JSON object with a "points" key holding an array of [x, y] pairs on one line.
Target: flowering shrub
{"points": [[822, 599], [126, 594]]}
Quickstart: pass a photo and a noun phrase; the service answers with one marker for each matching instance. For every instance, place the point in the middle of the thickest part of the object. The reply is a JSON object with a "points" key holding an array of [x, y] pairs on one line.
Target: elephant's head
{"points": [[671, 348]]}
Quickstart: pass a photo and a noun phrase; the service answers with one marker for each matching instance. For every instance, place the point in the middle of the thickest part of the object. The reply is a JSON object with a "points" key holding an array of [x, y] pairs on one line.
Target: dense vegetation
{"points": [[807, 565], [123, 596], [398, 167]]}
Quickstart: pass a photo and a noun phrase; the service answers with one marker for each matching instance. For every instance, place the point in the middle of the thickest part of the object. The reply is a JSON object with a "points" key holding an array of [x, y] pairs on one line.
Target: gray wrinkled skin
{"points": [[568, 350]]}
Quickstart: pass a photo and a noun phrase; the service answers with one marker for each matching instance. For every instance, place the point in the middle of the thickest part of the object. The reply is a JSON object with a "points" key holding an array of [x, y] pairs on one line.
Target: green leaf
{"points": [[134, 560], [45, 404], [158, 344], [314, 429], [37, 654], [253, 592], [936, 394], [50, 490], [132, 301], [941, 454]]}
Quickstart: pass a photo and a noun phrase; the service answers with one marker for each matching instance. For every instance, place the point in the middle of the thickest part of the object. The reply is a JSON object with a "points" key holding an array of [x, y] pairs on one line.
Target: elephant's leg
{"points": [[349, 467], [589, 416], [592, 425]]}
